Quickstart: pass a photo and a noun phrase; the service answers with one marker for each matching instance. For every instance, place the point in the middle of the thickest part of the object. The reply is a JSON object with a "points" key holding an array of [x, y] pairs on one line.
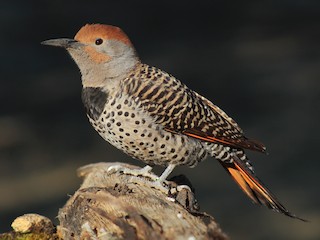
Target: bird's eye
{"points": [[99, 41]]}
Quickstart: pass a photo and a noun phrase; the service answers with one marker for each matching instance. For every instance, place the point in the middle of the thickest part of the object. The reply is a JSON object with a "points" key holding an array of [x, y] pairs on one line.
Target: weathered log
{"points": [[116, 205], [111, 205]]}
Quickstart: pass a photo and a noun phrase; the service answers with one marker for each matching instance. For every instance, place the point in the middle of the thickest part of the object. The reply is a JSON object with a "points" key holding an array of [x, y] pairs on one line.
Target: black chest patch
{"points": [[94, 100]]}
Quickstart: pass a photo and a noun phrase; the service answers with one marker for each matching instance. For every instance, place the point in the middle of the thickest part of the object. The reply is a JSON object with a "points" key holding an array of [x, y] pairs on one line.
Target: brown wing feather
{"points": [[181, 110], [220, 112]]}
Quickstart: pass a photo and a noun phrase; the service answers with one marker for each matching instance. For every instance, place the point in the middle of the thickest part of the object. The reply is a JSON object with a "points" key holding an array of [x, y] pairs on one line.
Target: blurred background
{"points": [[257, 60]]}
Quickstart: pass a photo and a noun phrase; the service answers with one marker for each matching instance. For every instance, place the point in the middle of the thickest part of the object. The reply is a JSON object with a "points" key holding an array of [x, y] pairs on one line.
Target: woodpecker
{"points": [[153, 117]]}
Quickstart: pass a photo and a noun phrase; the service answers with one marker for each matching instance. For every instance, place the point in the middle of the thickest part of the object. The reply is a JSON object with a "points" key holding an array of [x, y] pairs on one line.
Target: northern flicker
{"points": [[154, 117]]}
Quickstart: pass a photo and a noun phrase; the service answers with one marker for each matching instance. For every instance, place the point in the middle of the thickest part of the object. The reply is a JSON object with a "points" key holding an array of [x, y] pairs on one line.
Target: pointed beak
{"points": [[63, 42]]}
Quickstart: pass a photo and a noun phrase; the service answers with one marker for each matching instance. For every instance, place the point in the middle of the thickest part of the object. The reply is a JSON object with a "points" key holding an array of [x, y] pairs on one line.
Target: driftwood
{"points": [[113, 205]]}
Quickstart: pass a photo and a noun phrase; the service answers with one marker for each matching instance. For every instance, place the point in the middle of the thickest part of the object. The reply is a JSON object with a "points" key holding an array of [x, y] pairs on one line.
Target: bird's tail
{"points": [[253, 187]]}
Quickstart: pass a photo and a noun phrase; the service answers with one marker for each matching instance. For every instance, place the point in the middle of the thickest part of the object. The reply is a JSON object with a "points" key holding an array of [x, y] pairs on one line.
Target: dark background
{"points": [[259, 61]]}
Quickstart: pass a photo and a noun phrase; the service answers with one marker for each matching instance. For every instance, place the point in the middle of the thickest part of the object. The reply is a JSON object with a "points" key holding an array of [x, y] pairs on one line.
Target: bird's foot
{"points": [[163, 186], [145, 172], [139, 172], [176, 190]]}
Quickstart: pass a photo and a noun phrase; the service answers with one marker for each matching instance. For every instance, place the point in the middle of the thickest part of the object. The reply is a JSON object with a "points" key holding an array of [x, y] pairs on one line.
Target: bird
{"points": [[154, 117]]}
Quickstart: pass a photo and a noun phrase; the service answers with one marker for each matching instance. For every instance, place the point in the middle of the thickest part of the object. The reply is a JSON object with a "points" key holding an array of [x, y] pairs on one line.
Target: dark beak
{"points": [[63, 42]]}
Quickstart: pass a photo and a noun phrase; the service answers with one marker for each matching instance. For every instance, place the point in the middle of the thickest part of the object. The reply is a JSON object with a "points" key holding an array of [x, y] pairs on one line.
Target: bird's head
{"points": [[97, 47]]}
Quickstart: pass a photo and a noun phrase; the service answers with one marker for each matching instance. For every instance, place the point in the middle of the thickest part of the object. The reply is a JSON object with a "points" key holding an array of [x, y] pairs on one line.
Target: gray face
{"points": [[100, 61]]}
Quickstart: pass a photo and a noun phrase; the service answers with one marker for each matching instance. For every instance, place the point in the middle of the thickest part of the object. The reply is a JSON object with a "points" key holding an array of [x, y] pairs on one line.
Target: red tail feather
{"points": [[253, 187]]}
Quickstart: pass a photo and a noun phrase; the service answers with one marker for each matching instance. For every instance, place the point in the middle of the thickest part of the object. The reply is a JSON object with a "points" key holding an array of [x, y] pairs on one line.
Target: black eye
{"points": [[99, 41]]}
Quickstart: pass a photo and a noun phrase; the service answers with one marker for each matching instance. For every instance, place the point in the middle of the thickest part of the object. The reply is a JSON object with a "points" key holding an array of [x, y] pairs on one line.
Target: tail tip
{"points": [[289, 214]]}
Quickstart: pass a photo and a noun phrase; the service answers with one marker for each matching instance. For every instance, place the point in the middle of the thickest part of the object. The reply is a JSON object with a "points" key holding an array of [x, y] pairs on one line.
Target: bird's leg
{"points": [[166, 173], [160, 183]]}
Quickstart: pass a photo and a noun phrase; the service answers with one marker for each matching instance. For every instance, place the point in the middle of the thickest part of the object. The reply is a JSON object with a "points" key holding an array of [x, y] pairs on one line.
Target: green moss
{"points": [[27, 236]]}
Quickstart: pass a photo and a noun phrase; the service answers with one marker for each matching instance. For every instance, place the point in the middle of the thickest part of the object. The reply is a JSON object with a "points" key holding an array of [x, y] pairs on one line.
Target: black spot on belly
{"points": [[94, 100]]}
